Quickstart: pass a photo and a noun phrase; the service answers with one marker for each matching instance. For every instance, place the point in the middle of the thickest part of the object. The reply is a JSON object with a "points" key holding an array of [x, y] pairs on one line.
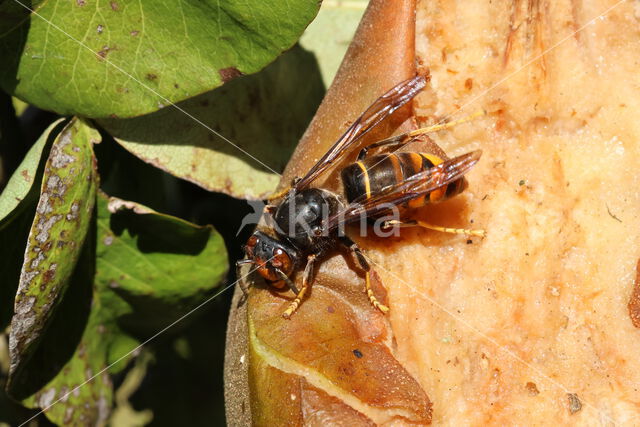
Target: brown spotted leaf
{"points": [[23, 180], [17, 207], [143, 271], [140, 271], [332, 362], [60, 225]]}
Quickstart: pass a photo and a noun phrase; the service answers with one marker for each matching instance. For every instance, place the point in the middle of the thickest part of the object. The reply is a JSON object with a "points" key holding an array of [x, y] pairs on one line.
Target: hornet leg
{"points": [[417, 223], [448, 125], [306, 282], [241, 282], [240, 277], [355, 249], [405, 138], [288, 281]]}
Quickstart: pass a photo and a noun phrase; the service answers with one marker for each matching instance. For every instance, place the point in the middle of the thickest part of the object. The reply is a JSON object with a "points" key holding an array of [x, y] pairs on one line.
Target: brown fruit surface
{"points": [[532, 323]]}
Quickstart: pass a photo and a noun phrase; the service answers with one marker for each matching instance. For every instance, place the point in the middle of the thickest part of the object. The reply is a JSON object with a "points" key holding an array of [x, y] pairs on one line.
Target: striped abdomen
{"points": [[373, 174]]}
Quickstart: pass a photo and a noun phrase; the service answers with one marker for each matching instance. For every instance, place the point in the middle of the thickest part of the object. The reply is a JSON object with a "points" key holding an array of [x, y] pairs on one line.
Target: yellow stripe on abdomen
{"points": [[365, 177], [438, 194], [416, 163], [432, 158]]}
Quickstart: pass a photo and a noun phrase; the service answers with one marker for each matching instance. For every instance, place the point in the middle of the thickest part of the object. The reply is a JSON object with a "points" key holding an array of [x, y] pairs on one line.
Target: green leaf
{"points": [[100, 59], [150, 268], [19, 106], [24, 178], [60, 225], [161, 265], [124, 414], [264, 115], [329, 35]]}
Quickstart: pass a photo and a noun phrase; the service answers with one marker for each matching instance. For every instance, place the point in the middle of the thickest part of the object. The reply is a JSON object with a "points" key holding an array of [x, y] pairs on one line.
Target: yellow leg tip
{"points": [[372, 298], [377, 304], [479, 233], [289, 311], [383, 308], [468, 232], [296, 302], [476, 233]]}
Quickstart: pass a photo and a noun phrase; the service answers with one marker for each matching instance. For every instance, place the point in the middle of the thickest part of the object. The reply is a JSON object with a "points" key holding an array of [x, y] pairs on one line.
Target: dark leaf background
{"points": [[120, 213]]}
